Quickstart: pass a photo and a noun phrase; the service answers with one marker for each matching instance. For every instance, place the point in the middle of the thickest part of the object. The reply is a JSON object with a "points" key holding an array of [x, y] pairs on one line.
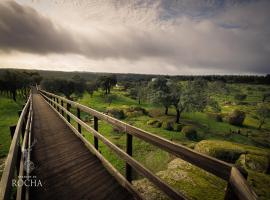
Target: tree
{"points": [[11, 78], [67, 87], [189, 97], [138, 92], [107, 82], [263, 112], [159, 92], [91, 87], [79, 84]]}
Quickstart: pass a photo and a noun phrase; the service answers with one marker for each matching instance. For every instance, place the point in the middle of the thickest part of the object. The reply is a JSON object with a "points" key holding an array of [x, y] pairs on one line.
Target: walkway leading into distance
{"points": [[66, 168]]}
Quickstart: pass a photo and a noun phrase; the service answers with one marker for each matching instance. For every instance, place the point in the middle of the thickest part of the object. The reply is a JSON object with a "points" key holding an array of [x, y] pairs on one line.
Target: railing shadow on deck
{"points": [[237, 187]]}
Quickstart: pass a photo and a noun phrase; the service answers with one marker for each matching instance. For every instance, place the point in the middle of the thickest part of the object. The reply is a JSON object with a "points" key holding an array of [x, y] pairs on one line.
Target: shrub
{"points": [[116, 112], [190, 132], [177, 127], [167, 125], [237, 117]]}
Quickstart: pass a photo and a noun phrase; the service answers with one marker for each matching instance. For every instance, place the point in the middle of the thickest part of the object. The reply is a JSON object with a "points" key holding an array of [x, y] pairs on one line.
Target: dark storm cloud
{"points": [[234, 38], [23, 29]]}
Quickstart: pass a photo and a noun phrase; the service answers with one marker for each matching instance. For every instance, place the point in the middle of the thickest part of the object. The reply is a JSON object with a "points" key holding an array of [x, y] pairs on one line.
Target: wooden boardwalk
{"points": [[66, 168]]}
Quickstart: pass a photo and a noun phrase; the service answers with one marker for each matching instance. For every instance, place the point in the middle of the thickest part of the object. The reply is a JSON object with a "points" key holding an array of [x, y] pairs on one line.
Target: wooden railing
{"points": [[237, 188], [15, 170]]}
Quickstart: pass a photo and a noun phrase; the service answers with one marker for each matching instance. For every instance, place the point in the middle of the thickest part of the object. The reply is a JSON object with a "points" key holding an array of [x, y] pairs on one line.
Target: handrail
{"points": [[10, 164], [219, 168]]}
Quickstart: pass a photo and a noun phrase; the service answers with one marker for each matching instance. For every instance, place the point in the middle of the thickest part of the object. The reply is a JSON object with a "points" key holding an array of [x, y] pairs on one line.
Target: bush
{"points": [[177, 127], [167, 125], [116, 112], [190, 132], [237, 117]]}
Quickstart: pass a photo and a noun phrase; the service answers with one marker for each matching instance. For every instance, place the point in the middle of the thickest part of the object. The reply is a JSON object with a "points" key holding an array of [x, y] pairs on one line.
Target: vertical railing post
{"points": [[79, 116], [230, 194], [12, 130], [57, 104], [96, 128], [54, 102], [62, 104], [129, 152], [68, 109], [23, 123]]}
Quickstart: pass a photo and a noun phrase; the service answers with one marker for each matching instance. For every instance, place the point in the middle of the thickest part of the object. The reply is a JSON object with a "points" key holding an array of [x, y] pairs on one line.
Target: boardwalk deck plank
{"points": [[64, 165]]}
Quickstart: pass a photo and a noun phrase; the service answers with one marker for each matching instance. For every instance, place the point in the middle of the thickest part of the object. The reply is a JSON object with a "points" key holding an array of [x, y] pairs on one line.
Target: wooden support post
{"points": [[62, 104], [12, 130], [54, 101], [19, 112], [129, 152], [57, 103], [23, 123], [79, 116], [96, 128], [230, 193], [68, 108]]}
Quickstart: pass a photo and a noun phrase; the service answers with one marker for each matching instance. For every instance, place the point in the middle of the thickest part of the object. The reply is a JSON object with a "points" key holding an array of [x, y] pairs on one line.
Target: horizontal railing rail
{"points": [[237, 185], [14, 161]]}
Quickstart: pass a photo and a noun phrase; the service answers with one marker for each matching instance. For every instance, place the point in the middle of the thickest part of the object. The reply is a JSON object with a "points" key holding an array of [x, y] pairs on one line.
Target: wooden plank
{"points": [[8, 173], [79, 116], [240, 187], [129, 152], [96, 128]]}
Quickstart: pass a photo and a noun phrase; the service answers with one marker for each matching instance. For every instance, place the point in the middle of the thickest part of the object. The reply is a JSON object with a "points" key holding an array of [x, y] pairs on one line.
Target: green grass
{"points": [[8, 116]]}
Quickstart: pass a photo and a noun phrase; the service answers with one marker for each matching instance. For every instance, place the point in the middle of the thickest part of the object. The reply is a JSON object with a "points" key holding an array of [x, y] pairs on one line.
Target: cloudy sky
{"points": [[137, 36]]}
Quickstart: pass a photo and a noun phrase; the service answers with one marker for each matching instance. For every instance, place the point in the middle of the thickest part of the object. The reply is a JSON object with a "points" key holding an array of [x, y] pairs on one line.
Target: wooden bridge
{"points": [[70, 167]]}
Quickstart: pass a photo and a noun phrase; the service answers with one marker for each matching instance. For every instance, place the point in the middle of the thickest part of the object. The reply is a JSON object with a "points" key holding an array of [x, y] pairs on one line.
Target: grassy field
{"points": [[8, 117]]}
